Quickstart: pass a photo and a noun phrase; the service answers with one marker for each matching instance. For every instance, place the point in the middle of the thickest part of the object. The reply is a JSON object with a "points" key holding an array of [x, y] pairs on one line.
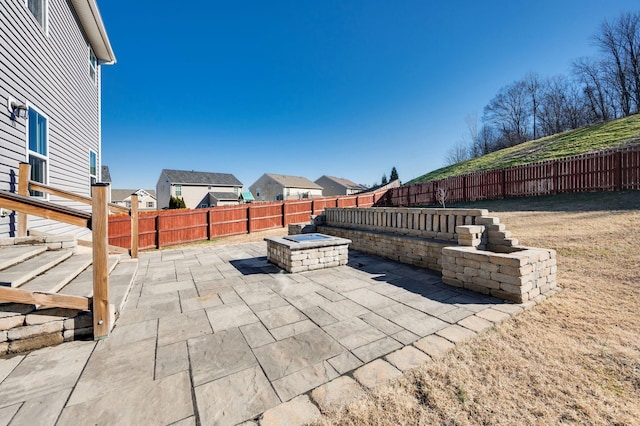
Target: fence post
{"points": [[504, 183], [134, 226], [158, 231], [284, 214], [209, 214], [24, 175], [249, 218], [99, 228], [618, 170]]}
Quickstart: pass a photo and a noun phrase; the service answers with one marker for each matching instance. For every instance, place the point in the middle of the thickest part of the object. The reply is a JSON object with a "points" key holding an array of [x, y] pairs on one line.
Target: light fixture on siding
{"points": [[17, 109]]}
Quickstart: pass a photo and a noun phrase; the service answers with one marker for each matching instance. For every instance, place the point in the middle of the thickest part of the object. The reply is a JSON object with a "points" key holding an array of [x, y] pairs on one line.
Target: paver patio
{"points": [[219, 335]]}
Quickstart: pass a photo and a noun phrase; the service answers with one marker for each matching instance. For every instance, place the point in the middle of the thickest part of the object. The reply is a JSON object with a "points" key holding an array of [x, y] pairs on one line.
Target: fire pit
{"points": [[306, 252]]}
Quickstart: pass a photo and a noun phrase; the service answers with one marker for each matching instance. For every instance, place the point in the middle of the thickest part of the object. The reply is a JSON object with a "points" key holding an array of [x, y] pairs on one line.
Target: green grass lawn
{"points": [[614, 134], [576, 202]]}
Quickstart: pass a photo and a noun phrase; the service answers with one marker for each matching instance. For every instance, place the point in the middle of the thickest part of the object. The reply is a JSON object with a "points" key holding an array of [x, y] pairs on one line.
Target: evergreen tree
{"points": [[384, 179], [394, 174], [177, 203]]}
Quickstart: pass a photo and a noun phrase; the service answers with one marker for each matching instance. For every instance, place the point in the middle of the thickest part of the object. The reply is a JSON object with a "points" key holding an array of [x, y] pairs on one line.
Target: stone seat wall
{"points": [[470, 248]]}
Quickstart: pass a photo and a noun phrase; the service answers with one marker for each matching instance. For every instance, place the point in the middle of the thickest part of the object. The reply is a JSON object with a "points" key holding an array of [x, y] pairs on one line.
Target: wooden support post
{"points": [[209, 224], [24, 176], [99, 227], [284, 214], [134, 226], [249, 227]]}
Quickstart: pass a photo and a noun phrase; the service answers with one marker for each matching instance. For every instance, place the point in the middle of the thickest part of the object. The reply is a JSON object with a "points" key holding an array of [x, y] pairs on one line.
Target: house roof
{"points": [[91, 21], [105, 174], [293, 181], [122, 194], [344, 182], [201, 178], [223, 196]]}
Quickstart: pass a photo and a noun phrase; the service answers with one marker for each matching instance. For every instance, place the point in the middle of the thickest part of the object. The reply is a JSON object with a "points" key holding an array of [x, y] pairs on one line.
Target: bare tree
{"points": [[534, 86], [457, 153], [508, 111], [441, 196], [592, 76], [619, 41]]}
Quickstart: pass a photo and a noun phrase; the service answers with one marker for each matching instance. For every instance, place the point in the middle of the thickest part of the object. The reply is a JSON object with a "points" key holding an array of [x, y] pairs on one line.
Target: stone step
{"points": [[60, 275], [13, 255], [82, 285], [16, 275]]}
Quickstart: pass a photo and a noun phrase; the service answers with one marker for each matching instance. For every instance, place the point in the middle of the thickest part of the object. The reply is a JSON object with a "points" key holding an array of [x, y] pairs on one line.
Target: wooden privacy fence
{"points": [[164, 228], [615, 170]]}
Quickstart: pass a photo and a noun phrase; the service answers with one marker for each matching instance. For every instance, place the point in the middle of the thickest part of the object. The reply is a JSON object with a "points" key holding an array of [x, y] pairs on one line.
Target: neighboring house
{"points": [[105, 174], [146, 198], [273, 187], [214, 199], [194, 187], [338, 186], [50, 69]]}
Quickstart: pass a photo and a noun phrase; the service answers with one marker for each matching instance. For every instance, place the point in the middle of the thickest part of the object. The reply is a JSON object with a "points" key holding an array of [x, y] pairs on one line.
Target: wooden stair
{"points": [[45, 294]]}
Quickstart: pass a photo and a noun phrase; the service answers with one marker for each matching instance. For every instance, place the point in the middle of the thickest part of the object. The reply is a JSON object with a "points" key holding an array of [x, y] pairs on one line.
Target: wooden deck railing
{"points": [[97, 221]]}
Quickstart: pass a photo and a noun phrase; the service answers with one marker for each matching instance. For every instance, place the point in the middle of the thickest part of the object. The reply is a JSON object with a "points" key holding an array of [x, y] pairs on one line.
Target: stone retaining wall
{"points": [[23, 328], [422, 252], [439, 224], [472, 249], [519, 275]]}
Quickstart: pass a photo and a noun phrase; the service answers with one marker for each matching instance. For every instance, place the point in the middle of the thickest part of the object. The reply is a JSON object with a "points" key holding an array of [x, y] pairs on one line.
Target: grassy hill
{"points": [[614, 134]]}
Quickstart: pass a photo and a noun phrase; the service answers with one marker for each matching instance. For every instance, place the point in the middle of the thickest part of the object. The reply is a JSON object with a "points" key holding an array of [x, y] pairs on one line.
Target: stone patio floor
{"points": [[217, 335]]}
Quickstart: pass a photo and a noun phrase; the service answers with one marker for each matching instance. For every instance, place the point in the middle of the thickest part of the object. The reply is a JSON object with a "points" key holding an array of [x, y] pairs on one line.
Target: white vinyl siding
{"points": [[48, 71]]}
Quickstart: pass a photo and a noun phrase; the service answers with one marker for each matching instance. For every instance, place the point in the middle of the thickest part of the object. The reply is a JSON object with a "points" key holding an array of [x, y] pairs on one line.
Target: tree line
{"points": [[598, 89]]}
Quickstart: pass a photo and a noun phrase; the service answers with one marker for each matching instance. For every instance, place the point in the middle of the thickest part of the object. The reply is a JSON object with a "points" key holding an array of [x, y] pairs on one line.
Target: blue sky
{"points": [[306, 88]]}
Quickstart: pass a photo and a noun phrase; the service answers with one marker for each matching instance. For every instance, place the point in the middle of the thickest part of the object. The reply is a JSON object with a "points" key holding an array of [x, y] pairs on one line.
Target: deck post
{"points": [[24, 176], [99, 228], [134, 226]]}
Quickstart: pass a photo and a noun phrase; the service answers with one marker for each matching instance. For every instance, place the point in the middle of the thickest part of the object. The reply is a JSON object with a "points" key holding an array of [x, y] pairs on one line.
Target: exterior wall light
{"points": [[17, 109]]}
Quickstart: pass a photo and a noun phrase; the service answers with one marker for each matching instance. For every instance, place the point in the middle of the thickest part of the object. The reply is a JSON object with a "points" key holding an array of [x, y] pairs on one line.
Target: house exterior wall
{"points": [[300, 193], [142, 203], [331, 187], [266, 189], [193, 194], [48, 69]]}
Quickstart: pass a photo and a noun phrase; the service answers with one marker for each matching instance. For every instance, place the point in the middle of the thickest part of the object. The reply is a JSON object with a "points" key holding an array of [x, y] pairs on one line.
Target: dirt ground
{"points": [[574, 358]]}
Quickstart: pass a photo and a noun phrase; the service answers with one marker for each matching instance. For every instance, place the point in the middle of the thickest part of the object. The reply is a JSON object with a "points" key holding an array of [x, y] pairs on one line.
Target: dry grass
{"points": [[575, 358]]}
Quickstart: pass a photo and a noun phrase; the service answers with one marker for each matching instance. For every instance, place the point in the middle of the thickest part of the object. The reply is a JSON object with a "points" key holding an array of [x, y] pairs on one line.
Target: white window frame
{"points": [[177, 190], [95, 175], [45, 18], [93, 66], [36, 154], [150, 204]]}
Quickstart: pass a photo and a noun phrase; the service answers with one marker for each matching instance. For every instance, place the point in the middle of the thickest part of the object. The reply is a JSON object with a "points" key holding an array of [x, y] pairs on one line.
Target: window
{"points": [[178, 189], [149, 204], [128, 203], [38, 9], [93, 65], [203, 206], [235, 190], [38, 155], [93, 167]]}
